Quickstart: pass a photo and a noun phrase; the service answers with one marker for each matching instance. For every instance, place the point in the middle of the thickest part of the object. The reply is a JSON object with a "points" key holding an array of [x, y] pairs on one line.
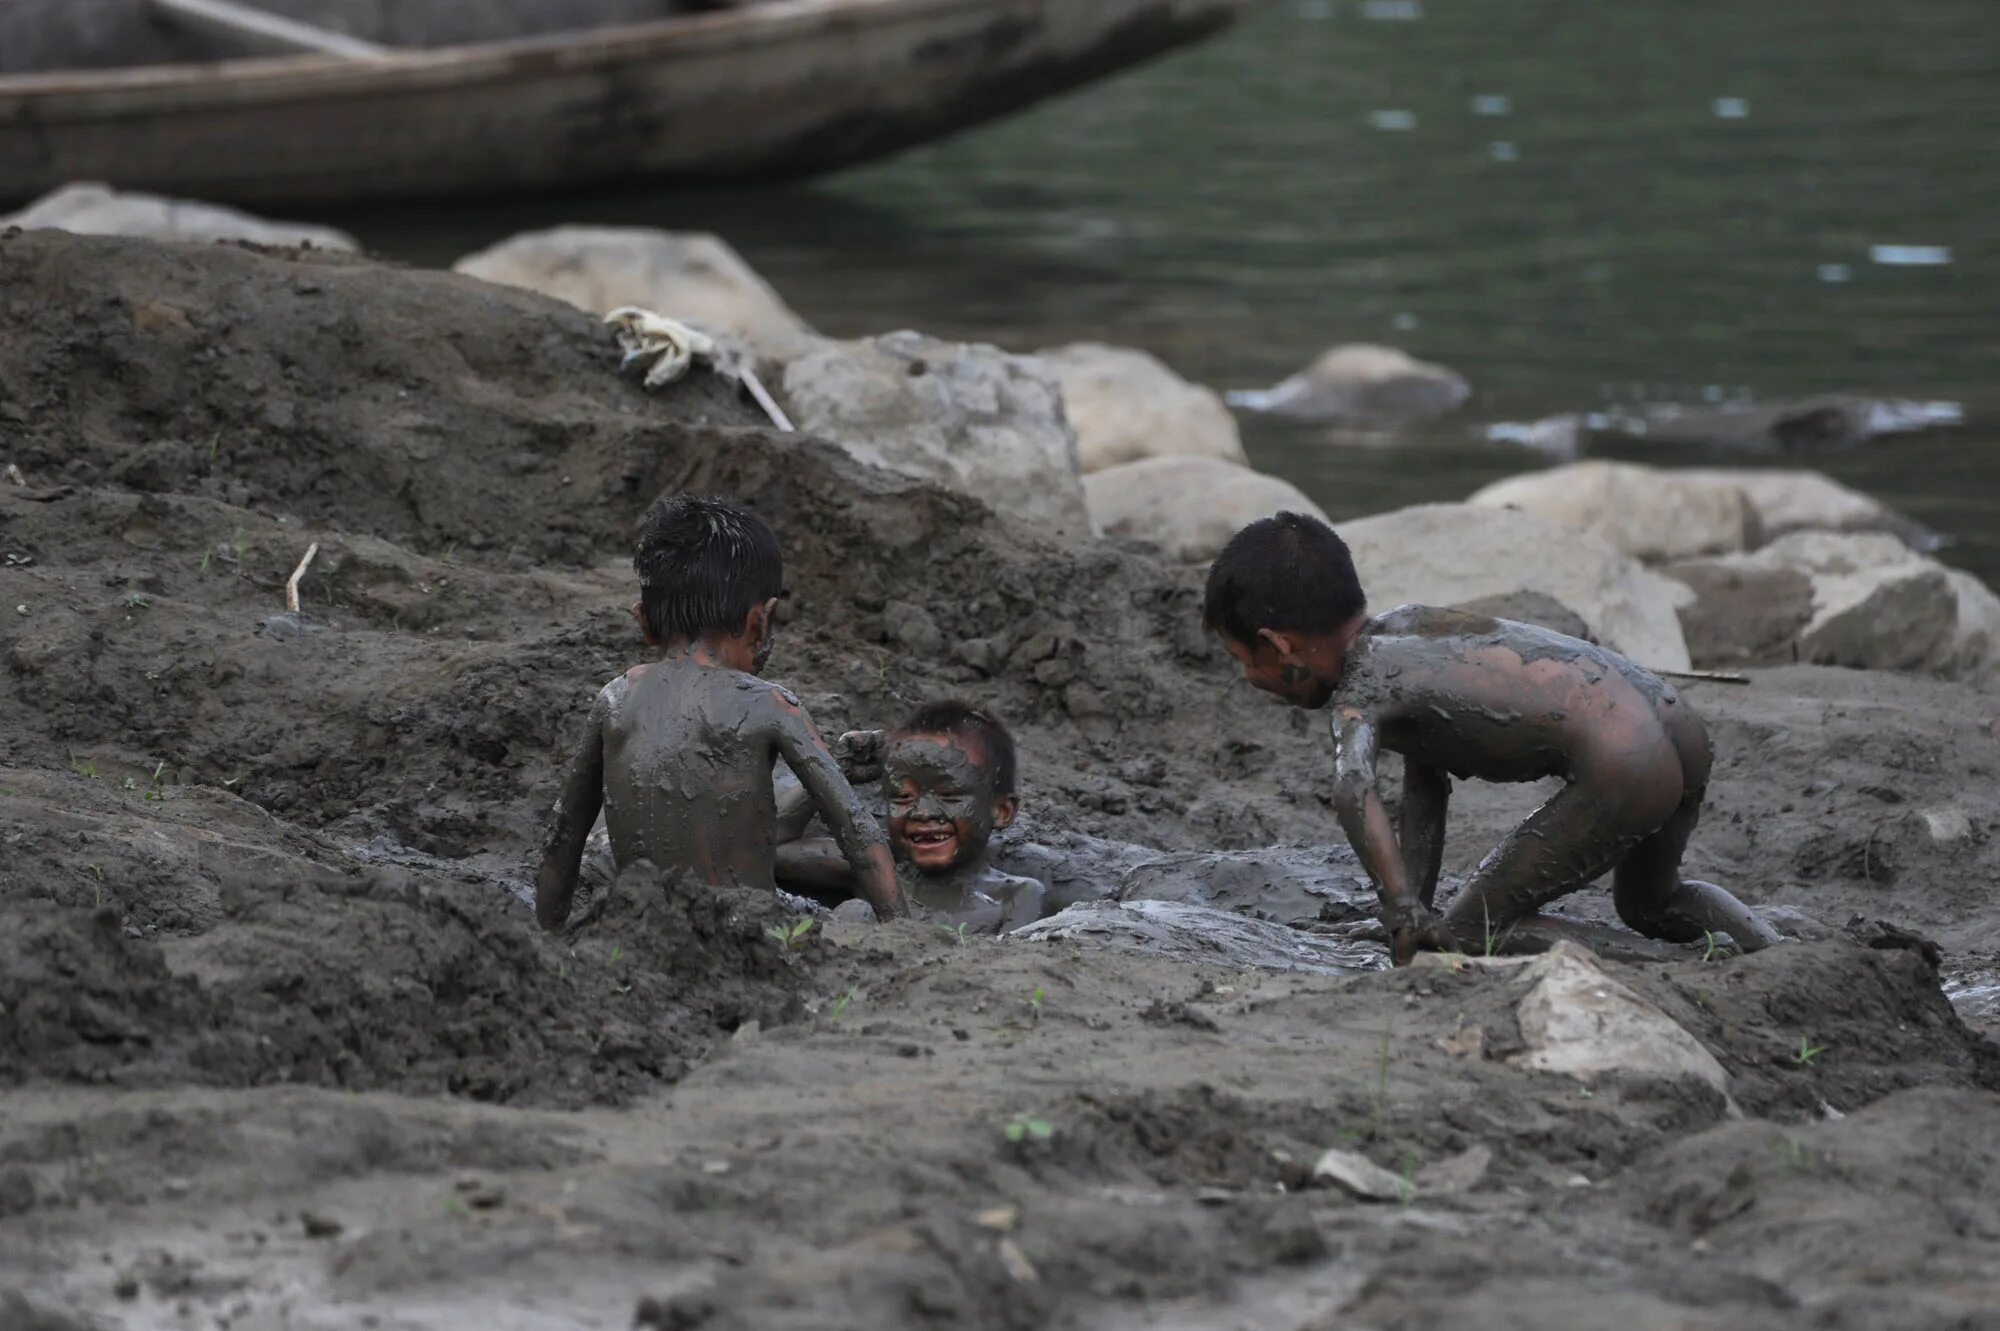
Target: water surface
{"points": [[1574, 202]]}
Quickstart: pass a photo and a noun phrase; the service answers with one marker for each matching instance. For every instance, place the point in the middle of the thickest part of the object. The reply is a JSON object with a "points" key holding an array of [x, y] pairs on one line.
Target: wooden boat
{"points": [[760, 88]]}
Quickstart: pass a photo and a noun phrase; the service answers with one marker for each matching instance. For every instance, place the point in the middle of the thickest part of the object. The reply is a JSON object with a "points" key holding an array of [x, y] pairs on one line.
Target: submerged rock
{"points": [[1869, 601], [90, 209], [687, 275], [1188, 506], [1361, 384], [1832, 422], [1647, 513], [1449, 554], [968, 416], [1198, 935], [1128, 406]]}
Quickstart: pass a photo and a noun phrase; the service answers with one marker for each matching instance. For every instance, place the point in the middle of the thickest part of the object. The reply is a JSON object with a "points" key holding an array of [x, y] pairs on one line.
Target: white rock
{"points": [[1786, 501], [1127, 406], [691, 276], [967, 416], [1187, 506], [98, 210], [1580, 1022], [1879, 605], [1357, 1174], [1648, 513], [1448, 554], [1361, 384]]}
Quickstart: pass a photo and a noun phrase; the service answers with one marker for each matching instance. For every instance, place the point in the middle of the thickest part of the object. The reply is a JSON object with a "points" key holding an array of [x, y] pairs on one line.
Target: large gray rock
{"points": [[1646, 512], [1869, 601], [1361, 384], [967, 416], [1786, 501], [1187, 506], [1128, 406], [98, 210], [1449, 554], [691, 276]]}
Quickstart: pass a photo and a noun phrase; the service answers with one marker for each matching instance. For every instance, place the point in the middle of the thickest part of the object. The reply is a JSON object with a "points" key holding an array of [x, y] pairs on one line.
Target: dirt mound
{"points": [[381, 980]]}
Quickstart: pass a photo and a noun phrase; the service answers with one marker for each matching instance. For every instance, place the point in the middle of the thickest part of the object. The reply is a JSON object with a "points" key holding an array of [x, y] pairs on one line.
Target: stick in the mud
{"points": [[292, 583], [1712, 676], [767, 402]]}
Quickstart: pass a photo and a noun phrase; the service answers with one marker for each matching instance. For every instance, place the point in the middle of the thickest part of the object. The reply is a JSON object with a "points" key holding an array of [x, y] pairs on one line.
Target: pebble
{"points": [[319, 1226]]}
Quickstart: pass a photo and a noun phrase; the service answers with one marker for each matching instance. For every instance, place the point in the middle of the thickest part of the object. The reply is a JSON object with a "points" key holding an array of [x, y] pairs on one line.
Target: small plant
{"points": [[82, 769], [956, 933], [1035, 1002], [207, 555], [1711, 944], [214, 442], [1023, 1128], [237, 545], [839, 1006], [137, 601], [1808, 1051], [1794, 1154], [617, 951], [792, 936]]}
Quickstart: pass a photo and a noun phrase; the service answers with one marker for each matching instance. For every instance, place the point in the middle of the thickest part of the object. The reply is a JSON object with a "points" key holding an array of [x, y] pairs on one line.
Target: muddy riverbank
{"points": [[283, 1048]]}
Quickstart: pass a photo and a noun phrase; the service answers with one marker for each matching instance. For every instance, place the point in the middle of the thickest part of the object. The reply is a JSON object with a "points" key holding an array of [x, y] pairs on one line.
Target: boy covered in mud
{"points": [[1467, 695], [948, 782], [679, 752]]}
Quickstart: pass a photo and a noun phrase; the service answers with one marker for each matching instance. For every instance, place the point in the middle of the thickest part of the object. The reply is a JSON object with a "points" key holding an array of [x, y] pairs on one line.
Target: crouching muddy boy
{"points": [[1467, 695], [948, 780], [679, 752]]}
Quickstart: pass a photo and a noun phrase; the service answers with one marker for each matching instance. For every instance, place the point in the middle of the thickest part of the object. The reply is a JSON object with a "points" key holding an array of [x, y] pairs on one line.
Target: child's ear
{"points": [[645, 629], [758, 622], [1284, 644], [1004, 810]]}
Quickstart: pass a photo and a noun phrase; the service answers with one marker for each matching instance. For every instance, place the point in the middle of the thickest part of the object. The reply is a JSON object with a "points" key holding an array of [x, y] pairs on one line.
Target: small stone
{"points": [[1016, 1263], [1359, 1175], [127, 1287], [715, 1167], [1002, 1218]]}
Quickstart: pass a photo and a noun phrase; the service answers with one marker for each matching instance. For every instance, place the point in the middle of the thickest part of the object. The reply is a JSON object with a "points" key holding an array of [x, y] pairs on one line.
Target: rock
{"points": [[1580, 1022], [1648, 513], [1357, 1174], [1786, 501], [1455, 1173], [1188, 506], [1197, 935], [1833, 422], [1127, 406], [687, 275], [1361, 384], [98, 210], [1449, 554], [1535, 608], [968, 416], [1873, 604]]}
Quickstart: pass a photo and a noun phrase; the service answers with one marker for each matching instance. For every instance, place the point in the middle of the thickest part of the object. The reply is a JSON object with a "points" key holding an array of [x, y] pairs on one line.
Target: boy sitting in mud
{"points": [[1470, 696], [680, 752], [948, 781]]}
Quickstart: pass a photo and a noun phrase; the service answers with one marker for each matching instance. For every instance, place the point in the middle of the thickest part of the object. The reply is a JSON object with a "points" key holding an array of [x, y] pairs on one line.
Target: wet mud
{"points": [[283, 1045]]}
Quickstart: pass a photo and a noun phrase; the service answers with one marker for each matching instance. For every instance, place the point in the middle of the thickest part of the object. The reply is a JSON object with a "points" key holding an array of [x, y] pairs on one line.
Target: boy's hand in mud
{"points": [[1416, 928], [859, 753]]}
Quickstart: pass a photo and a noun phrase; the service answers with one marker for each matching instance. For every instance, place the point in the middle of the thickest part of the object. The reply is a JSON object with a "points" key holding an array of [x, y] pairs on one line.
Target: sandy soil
{"points": [[282, 1048]]}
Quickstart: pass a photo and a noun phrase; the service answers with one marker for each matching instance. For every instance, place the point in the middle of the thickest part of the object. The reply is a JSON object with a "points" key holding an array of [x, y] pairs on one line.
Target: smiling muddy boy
{"points": [[679, 752], [1467, 695], [948, 781]]}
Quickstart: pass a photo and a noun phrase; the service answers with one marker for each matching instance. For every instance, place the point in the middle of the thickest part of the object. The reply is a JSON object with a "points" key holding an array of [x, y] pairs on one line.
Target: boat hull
{"points": [[790, 88]]}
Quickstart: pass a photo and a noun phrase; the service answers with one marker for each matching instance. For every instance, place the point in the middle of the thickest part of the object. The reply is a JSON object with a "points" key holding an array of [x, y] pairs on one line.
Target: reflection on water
{"points": [[1582, 206]]}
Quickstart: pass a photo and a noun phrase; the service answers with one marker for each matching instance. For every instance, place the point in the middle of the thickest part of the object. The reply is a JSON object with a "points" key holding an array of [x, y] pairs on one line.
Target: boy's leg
{"points": [[1577, 835], [1420, 827], [1648, 890]]}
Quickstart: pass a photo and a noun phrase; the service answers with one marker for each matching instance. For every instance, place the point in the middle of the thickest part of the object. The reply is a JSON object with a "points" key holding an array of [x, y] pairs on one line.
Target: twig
{"points": [[767, 402], [292, 583], [1712, 676]]}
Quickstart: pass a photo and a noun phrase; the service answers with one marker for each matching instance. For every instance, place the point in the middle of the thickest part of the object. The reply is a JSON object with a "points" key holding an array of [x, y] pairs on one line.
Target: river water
{"points": [[1576, 203]]}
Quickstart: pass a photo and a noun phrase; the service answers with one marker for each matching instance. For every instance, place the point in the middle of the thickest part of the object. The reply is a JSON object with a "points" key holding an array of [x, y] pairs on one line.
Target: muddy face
{"points": [[1266, 668], [942, 804]]}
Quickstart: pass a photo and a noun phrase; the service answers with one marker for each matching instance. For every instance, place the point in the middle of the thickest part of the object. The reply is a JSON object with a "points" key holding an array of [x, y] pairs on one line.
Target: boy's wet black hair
{"points": [[703, 563], [953, 717], [1288, 573]]}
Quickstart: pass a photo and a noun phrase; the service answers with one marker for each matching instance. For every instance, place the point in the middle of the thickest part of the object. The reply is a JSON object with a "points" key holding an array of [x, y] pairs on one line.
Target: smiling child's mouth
{"points": [[931, 836]]}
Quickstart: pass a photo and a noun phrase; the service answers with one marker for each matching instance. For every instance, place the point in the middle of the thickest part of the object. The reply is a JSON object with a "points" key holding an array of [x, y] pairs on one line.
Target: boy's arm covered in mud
{"points": [[861, 839], [576, 813], [1410, 922]]}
